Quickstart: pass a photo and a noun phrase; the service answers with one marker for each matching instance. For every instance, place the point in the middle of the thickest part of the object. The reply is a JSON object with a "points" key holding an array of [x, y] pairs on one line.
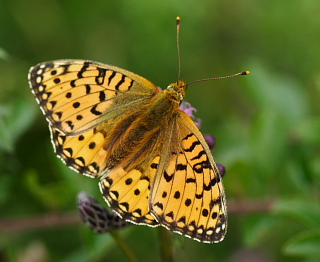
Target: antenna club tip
{"points": [[178, 19], [246, 73]]}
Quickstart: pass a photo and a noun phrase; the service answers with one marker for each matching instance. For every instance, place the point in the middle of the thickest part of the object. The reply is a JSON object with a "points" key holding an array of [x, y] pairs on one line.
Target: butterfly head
{"points": [[177, 90]]}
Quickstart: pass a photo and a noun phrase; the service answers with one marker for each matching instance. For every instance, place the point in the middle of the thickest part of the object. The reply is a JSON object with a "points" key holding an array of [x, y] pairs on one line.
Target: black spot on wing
{"points": [[129, 181], [53, 72], [198, 168], [100, 77], [159, 205], [95, 111], [205, 212], [115, 193], [211, 184], [170, 214], [125, 205], [92, 145], [167, 177], [102, 96], [177, 195], [113, 74], [214, 202], [138, 211], [187, 136], [193, 145], [190, 180], [154, 166], [83, 69], [201, 153], [188, 202], [69, 151], [81, 159], [199, 196], [137, 192], [88, 89], [70, 124], [181, 167], [76, 104], [73, 83], [120, 82], [182, 219]]}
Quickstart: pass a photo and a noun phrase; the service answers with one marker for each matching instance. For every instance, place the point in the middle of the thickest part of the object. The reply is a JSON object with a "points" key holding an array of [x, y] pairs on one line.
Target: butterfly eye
{"points": [[178, 89], [172, 87]]}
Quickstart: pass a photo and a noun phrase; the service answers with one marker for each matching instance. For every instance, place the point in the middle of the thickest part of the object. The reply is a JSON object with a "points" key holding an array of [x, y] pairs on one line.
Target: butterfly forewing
{"points": [[77, 95]]}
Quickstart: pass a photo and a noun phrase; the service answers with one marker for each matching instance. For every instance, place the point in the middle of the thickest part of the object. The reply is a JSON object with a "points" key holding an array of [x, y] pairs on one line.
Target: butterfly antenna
{"points": [[178, 45], [221, 77]]}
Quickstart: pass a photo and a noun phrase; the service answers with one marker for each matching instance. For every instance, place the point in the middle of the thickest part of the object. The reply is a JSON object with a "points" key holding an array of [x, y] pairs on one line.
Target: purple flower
{"points": [[188, 109], [96, 217], [222, 170], [211, 141]]}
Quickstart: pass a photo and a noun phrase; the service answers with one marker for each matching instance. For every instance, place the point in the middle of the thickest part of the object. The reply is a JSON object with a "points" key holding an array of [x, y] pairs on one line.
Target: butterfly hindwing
{"points": [[77, 95], [83, 153], [127, 186], [128, 193], [188, 196]]}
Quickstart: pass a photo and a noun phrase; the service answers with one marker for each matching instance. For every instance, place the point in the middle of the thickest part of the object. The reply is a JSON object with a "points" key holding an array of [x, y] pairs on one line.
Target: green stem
{"points": [[165, 244], [123, 246]]}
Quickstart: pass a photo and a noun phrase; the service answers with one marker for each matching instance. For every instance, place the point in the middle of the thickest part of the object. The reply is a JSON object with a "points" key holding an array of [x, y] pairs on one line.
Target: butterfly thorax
{"points": [[143, 127], [177, 91]]}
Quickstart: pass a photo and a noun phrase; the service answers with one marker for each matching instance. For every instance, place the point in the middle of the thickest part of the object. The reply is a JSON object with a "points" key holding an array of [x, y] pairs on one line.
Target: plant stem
{"points": [[48, 220], [123, 246], [165, 244]]}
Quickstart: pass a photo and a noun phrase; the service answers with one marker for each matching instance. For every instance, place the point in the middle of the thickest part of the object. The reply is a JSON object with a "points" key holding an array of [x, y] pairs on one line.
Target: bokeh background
{"points": [[266, 124]]}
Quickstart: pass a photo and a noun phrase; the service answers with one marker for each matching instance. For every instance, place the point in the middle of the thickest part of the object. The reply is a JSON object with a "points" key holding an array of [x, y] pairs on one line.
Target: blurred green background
{"points": [[266, 124]]}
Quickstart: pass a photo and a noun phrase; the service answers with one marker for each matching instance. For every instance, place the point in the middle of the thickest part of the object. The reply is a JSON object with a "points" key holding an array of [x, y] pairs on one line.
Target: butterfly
{"points": [[154, 164]]}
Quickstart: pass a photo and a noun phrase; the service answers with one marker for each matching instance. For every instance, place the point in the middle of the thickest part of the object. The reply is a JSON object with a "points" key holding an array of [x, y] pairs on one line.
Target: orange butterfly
{"points": [[154, 165]]}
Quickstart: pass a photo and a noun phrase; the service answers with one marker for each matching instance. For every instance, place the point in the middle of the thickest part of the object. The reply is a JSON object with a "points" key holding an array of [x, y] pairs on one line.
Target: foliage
{"points": [[266, 124]]}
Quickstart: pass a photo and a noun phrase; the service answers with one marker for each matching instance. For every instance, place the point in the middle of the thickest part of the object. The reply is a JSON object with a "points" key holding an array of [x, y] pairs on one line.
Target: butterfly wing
{"points": [[188, 195], [128, 191], [83, 153], [100, 149], [171, 180], [126, 187], [77, 95], [177, 185]]}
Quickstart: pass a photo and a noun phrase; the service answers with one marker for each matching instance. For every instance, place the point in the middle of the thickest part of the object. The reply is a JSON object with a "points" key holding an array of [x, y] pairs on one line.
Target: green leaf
{"points": [[15, 119], [52, 195], [279, 94], [6, 140], [4, 54], [21, 116], [305, 211], [308, 130], [257, 229], [305, 244]]}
